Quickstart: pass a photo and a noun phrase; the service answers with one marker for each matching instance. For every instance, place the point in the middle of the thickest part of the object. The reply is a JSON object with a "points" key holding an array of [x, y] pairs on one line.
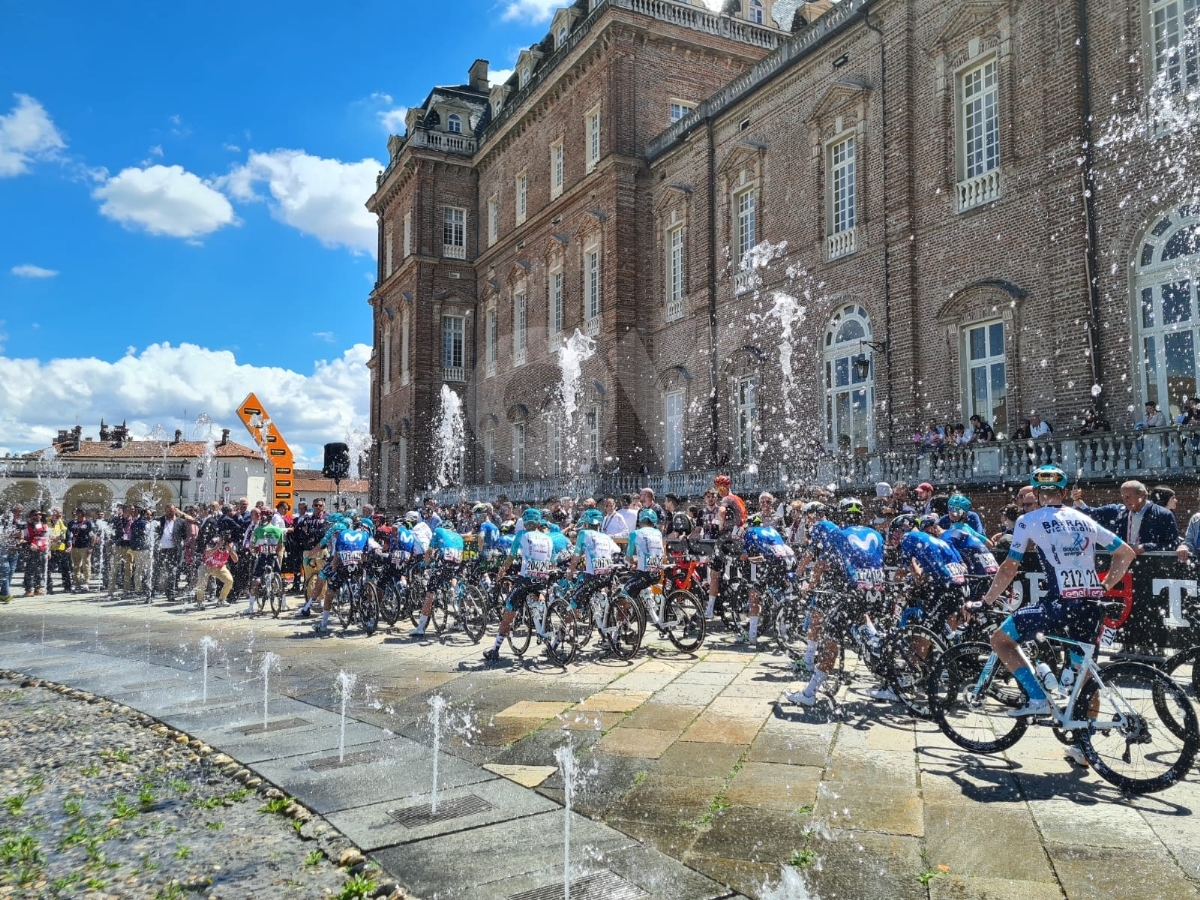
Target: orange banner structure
{"points": [[271, 442]]}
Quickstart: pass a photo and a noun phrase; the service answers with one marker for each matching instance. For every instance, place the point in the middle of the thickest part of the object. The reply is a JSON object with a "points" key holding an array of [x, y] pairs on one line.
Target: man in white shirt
{"points": [[630, 506], [614, 523], [1038, 430]]}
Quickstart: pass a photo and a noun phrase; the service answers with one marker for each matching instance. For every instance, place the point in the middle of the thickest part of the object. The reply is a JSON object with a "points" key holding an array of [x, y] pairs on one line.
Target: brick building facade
{"points": [[795, 247]]}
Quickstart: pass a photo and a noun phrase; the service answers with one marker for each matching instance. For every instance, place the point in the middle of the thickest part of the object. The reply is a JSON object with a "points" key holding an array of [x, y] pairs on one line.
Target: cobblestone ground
{"points": [[696, 756]]}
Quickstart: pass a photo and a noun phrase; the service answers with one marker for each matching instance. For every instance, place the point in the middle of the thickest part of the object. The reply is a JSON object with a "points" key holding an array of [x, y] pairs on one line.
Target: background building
{"points": [[798, 246]]}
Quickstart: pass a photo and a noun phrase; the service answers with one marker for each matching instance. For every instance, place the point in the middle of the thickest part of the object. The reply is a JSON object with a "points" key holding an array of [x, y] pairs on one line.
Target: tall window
{"points": [[674, 270], [519, 328], [979, 135], [454, 123], [554, 445], [404, 373], [490, 341], [842, 212], [387, 250], [562, 35], [746, 419], [591, 287], [680, 108], [522, 198], [387, 360], [556, 168], [673, 422], [745, 230], [454, 232], [591, 433], [1167, 273], [452, 342], [524, 76], [408, 237], [493, 213], [592, 126], [755, 13], [1175, 43], [987, 392], [489, 456], [518, 451], [555, 302], [849, 381]]}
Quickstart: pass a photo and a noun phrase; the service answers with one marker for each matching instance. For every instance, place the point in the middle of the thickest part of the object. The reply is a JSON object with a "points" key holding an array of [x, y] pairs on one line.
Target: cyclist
{"points": [[267, 540], [959, 512], [762, 543], [444, 555], [596, 550], [420, 529], [485, 529], [727, 522], [560, 542], [976, 555], [646, 549], [1072, 602], [535, 550], [816, 555], [506, 538], [348, 544]]}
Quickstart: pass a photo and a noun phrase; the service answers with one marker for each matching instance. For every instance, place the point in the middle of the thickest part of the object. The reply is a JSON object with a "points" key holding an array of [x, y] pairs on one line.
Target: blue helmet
{"points": [[1049, 477], [959, 503], [532, 516], [648, 515], [592, 518]]}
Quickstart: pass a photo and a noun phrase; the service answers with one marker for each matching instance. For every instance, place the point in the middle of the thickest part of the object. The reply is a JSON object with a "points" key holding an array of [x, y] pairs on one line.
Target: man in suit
{"points": [[1137, 521]]}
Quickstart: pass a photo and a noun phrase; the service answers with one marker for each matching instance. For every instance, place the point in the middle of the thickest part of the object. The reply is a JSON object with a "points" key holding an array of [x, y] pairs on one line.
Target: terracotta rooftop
{"points": [[152, 450], [311, 481]]}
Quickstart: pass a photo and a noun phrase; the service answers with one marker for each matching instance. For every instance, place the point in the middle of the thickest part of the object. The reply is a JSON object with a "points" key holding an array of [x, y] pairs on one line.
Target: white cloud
{"points": [[27, 134], [232, 148], [318, 196], [154, 386], [499, 76], [164, 200], [531, 11], [326, 336], [392, 120], [156, 150], [30, 271]]}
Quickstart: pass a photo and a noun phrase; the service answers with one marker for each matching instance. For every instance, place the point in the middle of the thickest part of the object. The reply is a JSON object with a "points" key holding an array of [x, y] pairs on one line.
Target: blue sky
{"points": [[181, 201]]}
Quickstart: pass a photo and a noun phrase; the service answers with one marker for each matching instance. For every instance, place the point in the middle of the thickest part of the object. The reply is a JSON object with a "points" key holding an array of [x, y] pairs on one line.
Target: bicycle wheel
{"points": [[273, 586], [1184, 667], [1142, 754], [471, 612], [790, 633], [343, 605], [522, 632], [416, 596], [368, 608], [389, 603], [730, 606], [585, 621], [623, 626], [261, 597], [971, 714], [684, 620], [439, 613], [560, 633], [908, 655]]}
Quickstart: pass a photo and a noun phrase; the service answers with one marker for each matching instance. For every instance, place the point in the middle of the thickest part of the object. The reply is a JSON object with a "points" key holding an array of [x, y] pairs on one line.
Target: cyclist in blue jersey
{"points": [[560, 542], [939, 576], [535, 551], [487, 531], [647, 550], [959, 513], [1072, 605], [816, 555], [597, 551], [506, 537], [349, 542], [762, 544], [444, 557], [976, 555]]}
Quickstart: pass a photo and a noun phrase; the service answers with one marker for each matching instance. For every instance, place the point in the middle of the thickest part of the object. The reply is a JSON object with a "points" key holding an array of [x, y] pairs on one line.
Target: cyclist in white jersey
{"points": [[535, 550], [597, 551], [1070, 607], [647, 551]]}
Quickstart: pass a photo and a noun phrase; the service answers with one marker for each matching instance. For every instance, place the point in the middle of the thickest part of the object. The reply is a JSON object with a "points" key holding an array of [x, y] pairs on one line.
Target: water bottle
{"points": [[1047, 677], [1068, 679]]}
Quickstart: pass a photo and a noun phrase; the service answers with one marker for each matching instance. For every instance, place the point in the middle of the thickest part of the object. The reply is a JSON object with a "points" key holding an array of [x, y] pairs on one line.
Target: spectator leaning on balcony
{"points": [[1154, 417], [1093, 422], [980, 431], [1039, 430]]}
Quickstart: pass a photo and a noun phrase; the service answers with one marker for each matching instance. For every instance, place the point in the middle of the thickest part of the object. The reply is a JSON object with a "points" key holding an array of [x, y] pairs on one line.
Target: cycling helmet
{"points": [[929, 520], [592, 518], [904, 522], [480, 509], [959, 503], [532, 516], [722, 481], [814, 508], [648, 515], [755, 521], [1049, 477], [851, 506], [412, 517], [508, 527]]}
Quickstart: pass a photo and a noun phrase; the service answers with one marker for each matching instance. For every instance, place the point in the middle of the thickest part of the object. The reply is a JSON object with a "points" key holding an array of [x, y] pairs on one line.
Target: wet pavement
{"points": [[696, 780]]}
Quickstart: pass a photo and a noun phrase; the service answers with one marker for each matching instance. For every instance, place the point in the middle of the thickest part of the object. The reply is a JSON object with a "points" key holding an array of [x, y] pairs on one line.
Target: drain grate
{"points": [[277, 725], [600, 886], [362, 757], [452, 808]]}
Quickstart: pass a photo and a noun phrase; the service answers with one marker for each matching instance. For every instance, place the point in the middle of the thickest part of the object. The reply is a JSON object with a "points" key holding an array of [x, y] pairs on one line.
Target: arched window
{"points": [[562, 35], [756, 12], [849, 381], [454, 123], [1168, 316]]}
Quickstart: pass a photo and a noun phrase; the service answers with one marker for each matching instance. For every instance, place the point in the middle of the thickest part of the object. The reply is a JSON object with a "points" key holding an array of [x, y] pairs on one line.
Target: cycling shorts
{"points": [[263, 562], [639, 581], [940, 601], [1079, 621], [523, 586], [441, 576]]}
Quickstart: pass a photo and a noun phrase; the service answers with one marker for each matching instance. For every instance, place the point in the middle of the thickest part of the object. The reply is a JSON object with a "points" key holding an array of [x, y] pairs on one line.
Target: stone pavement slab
{"points": [[643, 742]]}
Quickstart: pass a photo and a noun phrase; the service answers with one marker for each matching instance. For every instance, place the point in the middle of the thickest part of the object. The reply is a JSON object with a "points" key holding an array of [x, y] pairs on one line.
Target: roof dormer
{"points": [[452, 116], [496, 97], [562, 23], [527, 62]]}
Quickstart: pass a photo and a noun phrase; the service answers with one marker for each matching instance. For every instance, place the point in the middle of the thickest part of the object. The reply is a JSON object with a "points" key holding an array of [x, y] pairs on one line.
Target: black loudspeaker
{"points": [[337, 461]]}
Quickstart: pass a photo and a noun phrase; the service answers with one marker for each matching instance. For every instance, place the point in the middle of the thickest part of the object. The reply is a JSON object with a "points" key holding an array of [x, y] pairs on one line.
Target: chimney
{"points": [[224, 436], [104, 434], [478, 74], [178, 436], [63, 436]]}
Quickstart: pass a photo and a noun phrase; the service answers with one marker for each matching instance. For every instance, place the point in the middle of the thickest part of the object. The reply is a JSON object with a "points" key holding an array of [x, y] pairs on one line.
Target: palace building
{"points": [[799, 235]]}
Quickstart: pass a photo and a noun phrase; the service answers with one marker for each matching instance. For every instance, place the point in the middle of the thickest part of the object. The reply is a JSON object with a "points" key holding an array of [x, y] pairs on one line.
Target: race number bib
{"points": [[1078, 584], [350, 557], [987, 563], [537, 568], [869, 579], [399, 556], [452, 554], [956, 572], [654, 563]]}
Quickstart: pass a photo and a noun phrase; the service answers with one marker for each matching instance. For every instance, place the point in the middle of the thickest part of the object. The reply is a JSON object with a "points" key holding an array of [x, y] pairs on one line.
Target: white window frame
{"points": [[1173, 30], [520, 321], [405, 374], [745, 419], [755, 12], [386, 361], [492, 327], [454, 232], [524, 77], [557, 168], [408, 234], [674, 426], [591, 434], [522, 205], [518, 451], [563, 32], [674, 269], [592, 288], [554, 444], [995, 396], [454, 345], [454, 123], [977, 103], [842, 195], [849, 399], [680, 108], [489, 456], [493, 220], [592, 136], [745, 225], [555, 296], [388, 245]]}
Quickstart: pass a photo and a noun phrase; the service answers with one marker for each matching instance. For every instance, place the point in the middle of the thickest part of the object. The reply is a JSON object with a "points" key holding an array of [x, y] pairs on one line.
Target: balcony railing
{"points": [[449, 142], [591, 327], [979, 190], [841, 244], [743, 281], [454, 251], [454, 373]]}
